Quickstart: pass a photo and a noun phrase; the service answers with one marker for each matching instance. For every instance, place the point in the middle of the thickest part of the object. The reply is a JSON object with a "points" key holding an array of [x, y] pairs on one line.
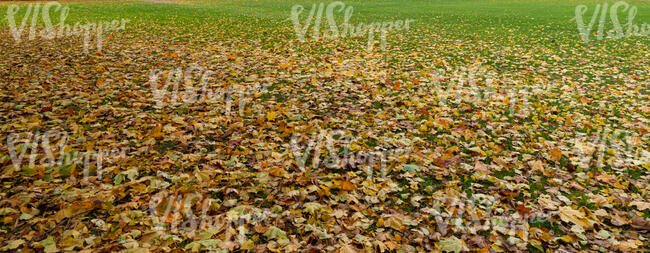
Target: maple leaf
{"points": [[570, 215], [451, 244]]}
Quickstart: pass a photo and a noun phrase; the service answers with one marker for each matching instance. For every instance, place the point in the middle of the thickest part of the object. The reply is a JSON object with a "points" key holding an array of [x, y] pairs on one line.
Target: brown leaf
{"points": [[619, 221], [639, 222], [346, 248]]}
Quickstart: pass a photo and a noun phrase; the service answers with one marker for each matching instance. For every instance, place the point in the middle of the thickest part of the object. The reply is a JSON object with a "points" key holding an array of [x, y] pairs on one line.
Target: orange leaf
{"points": [[277, 172], [555, 154], [157, 132], [345, 185], [523, 210]]}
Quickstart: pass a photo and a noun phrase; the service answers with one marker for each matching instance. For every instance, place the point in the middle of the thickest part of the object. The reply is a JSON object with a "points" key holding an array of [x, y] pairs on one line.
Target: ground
{"points": [[484, 126]]}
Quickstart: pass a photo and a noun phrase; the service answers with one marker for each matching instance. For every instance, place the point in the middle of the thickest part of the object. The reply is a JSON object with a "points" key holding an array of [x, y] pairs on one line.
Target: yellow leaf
{"points": [[202, 176], [247, 245], [546, 202], [629, 245], [570, 215], [178, 119], [270, 116], [443, 122], [169, 128], [394, 223], [86, 120], [64, 213], [566, 239], [477, 150], [536, 166]]}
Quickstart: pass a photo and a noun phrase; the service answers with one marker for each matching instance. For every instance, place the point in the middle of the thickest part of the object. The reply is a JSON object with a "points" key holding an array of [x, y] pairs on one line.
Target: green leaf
{"points": [[275, 233], [49, 245], [410, 168], [13, 244], [118, 179], [451, 244]]}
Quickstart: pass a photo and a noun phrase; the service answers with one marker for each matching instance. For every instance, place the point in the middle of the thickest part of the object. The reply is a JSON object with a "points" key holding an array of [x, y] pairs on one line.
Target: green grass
{"points": [[503, 23]]}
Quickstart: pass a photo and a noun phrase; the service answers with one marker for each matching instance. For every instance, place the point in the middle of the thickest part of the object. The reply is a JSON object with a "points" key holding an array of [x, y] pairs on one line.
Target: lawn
{"points": [[486, 125]]}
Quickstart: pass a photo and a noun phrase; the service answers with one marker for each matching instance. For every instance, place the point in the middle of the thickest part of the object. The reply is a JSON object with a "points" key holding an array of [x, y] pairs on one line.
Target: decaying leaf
{"points": [[570, 215]]}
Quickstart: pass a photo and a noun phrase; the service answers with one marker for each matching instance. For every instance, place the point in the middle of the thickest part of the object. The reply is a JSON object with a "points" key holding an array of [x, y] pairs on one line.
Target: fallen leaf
{"points": [[394, 223], [570, 215], [451, 244], [640, 205], [270, 116], [555, 154]]}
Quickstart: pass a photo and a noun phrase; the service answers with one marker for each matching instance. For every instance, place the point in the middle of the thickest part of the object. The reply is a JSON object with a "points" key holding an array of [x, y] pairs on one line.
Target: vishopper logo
{"points": [[618, 31], [613, 148], [333, 31], [453, 214], [480, 85], [340, 152], [63, 30], [177, 86], [50, 149], [453, 86], [176, 213]]}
